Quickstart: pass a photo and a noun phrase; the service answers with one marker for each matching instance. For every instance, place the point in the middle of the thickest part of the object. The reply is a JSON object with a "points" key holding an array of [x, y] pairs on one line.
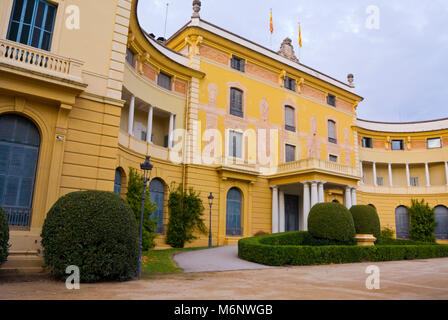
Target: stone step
{"points": [[23, 263]]}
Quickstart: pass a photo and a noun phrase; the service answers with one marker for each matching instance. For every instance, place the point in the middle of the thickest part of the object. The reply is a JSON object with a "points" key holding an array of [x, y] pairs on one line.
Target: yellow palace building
{"points": [[86, 94]]}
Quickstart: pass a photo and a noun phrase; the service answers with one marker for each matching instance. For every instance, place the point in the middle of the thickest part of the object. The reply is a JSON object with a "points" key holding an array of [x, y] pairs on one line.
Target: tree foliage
{"points": [[185, 211], [422, 221], [4, 236], [134, 199]]}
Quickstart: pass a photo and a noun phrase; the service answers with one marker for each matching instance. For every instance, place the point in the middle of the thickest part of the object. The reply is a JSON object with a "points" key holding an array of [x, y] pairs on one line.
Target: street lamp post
{"points": [[210, 202], [146, 177]]}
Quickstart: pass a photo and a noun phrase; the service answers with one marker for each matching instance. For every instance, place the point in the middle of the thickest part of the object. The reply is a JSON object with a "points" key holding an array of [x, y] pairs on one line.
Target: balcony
{"points": [[316, 164], [404, 190], [20, 57]]}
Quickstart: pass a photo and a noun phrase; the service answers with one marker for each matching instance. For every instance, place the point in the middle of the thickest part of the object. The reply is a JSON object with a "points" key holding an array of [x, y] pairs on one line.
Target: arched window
{"points": [[157, 195], [402, 222], [19, 152], [290, 124], [236, 102], [332, 131], [32, 23], [234, 207], [118, 182], [441, 213]]}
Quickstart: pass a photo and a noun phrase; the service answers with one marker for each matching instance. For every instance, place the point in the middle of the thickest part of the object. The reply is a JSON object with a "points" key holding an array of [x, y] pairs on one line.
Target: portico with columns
{"points": [[306, 194]]}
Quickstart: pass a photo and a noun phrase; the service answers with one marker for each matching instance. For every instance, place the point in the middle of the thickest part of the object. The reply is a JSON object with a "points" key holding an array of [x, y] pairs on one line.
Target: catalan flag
{"points": [[271, 24], [300, 36]]}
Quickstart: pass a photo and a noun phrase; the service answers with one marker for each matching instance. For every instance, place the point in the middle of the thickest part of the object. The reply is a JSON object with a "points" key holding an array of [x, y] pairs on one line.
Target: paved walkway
{"points": [[216, 259]]}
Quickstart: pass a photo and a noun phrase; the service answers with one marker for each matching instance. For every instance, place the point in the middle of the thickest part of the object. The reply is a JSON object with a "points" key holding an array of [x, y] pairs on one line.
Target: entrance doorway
{"points": [[291, 213]]}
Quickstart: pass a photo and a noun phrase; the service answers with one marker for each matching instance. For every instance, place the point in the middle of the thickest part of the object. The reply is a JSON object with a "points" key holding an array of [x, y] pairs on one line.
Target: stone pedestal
{"points": [[365, 240]]}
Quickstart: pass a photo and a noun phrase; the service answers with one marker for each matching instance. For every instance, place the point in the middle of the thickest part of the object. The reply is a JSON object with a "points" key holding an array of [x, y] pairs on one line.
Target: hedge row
{"points": [[260, 250]]}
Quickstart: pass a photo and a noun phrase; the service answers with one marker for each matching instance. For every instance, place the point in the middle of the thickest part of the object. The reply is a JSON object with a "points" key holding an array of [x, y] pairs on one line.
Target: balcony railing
{"points": [[404, 190], [316, 164], [20, 55]]}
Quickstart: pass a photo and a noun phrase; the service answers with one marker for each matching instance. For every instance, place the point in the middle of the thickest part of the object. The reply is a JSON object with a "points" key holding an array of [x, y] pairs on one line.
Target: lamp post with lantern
{"points": [[210, 202]]}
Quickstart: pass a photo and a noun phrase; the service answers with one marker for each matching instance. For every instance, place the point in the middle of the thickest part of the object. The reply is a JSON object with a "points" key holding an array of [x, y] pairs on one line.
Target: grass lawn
{"points": [[161, 261]]}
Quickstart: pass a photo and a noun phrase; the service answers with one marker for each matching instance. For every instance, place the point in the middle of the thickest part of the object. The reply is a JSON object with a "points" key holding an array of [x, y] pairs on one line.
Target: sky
{"points": [[396, 49]]}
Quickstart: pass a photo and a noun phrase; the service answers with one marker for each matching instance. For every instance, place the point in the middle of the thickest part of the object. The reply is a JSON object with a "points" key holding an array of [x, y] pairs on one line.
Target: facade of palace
{"points": [[86, 94]]}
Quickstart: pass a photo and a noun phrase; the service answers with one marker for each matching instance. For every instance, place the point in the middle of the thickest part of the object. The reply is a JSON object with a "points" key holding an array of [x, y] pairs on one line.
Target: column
{"points": [[131, 116], [348, 197], [170, 135], [408, 175], [391, 182], [314, 194], [150, 119], [428, 178], [446, 172], [274, 209], [321, 192], [281, 209], [361, 169], [306, 205], [354, 197], [375, 181]]}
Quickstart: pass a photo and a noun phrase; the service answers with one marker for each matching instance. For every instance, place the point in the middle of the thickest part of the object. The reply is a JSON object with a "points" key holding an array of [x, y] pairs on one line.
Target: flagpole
{"points": [[270, 31]]}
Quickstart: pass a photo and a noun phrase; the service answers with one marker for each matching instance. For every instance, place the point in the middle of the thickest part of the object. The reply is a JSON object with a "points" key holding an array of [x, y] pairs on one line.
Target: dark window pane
{"points": [[40, 14], [26, 192], [12, 187], [17, 13], [50, 18], [29, 11], [236, 102], [164, 81], [14, 29], [331, 100], [290, 153], [46, 41], [25, 34], [36, 37]]}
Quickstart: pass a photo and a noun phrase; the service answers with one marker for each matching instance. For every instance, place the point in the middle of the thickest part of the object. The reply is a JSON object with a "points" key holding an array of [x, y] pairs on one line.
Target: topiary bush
{"points": [[422, 222], [366, 220], [331, 221], [4, 236], [95, 231]]}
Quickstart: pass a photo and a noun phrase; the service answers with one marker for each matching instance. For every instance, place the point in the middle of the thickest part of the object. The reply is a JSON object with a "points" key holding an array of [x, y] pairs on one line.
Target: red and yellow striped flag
{"points": [[271, 24], [300, 36]]}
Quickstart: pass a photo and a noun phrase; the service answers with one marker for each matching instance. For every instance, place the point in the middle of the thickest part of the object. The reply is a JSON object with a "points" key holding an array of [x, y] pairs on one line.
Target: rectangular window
{"points": [[331, 100], [290, 153], [236, 102], [367, 143], [32, 23], [164, 81], [238, 64], [333, 158], [414, 181], [380, 181], [289, 119], [397, 144], [130, 57], [434, 143], [332, 132], [143, 136], [235, 144], [290, 83]]}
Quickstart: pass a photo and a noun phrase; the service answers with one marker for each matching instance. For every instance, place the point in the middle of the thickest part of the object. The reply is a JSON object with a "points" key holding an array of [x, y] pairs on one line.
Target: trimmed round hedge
{"points": [[95, 231], [366, 220], [331, 221], [4, 236]]}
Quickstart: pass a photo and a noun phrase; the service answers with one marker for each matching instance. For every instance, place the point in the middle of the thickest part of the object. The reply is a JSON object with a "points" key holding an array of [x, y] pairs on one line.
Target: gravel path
{"points": [[216, 259]]}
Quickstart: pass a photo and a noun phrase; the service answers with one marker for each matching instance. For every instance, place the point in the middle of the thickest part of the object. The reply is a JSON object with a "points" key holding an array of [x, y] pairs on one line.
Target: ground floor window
{"points": [[234, 206], [441, 213], [402, 222], [19, 152], [157, 195]]}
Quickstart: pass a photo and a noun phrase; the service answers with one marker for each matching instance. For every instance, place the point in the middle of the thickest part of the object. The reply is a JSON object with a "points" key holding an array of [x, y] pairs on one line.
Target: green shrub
{"points": [[266, 250], [134, 199], [4, 236], [331, 221], [366, 220], [387, 233], [95, 231], [302, 238], [422, 222], [185, 211]]}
